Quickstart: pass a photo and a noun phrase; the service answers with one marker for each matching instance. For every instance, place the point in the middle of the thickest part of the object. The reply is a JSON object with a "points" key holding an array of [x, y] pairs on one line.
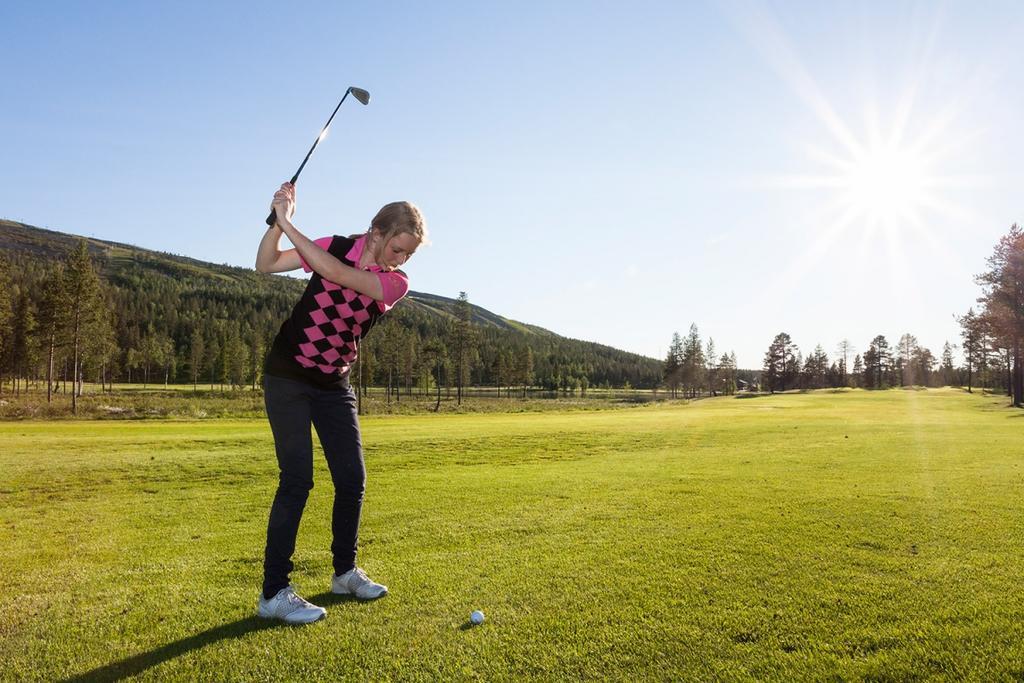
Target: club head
{"points": [[360, 94]]}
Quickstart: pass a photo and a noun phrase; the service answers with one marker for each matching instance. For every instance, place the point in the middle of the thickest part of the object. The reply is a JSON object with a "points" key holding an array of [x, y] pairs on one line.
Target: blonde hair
{"points": [[397, 218]]}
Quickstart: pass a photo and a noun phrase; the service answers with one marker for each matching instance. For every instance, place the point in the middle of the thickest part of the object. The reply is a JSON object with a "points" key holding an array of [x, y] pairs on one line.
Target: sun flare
{"points": [[883, 166], [885, 183], [874, 182]]}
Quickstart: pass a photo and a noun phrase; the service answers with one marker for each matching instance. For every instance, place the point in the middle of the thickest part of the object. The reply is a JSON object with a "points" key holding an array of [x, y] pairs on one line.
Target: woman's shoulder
{"points": [[341, 245]]}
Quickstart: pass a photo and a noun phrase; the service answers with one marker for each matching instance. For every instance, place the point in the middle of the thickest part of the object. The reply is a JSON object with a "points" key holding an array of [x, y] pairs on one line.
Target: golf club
{"points": [[359, 94]]}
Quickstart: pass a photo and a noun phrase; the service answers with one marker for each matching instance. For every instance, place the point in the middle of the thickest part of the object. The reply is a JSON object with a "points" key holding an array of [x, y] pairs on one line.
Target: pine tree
{"points": [[780, 363], [923, 362], [711, 371], [857, 376], [52, 322], [733, 371], [726, 371], [100, 346], [169, 359], [213, 355], [463, 342], [237, 359], [947, 368], [877, 363], [388, 340], [409, 359], [816, 368], [364, 368], [504, 370], [844, 349], [1004, 302], [524, 368], [970, 331], [196, 354], [906, 350], [23, 345], [436, 354], [692, 363], [6, 312], [673, 364], [84, 305], [256, 354], [152, 353]]}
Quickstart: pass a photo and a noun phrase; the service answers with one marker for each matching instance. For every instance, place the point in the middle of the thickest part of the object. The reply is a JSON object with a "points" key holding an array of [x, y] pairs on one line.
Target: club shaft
{"points": [[272, 218], [318, 138]]}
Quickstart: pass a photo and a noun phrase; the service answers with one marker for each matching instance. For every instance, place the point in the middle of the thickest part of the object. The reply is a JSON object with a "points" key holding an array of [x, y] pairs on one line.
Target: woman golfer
{"points": [[355, 281]]}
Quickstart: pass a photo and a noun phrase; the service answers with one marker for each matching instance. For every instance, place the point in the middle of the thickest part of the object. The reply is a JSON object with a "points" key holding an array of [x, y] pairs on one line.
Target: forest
{"points": [[83, 309]]}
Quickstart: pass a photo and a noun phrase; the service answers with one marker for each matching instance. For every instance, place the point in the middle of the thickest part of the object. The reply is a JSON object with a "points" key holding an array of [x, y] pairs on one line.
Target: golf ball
{"points": [[477, 617]]}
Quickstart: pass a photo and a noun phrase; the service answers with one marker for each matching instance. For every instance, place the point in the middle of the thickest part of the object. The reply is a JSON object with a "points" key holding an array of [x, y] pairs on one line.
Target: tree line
{"points": [[992, 336], [693, 368], [109, 315], [880, 366], [991, 344]]}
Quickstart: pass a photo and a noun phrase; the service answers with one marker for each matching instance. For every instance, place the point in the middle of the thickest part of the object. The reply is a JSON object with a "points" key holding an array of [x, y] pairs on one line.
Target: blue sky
{"points": [[610, 172]]}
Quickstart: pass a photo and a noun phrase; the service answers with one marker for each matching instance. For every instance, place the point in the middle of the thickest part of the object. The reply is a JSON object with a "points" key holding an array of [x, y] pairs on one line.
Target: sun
{"points": [[875, 181], [877, 165], [885, 183]]}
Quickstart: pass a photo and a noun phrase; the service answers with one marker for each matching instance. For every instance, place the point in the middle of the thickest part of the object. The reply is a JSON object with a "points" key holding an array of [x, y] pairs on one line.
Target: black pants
{"points": [[291, 407]]}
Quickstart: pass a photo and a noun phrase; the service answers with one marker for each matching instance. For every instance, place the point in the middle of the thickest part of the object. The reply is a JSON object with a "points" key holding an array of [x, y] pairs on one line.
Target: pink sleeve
{"points": [[395, 285], [324, 243]]}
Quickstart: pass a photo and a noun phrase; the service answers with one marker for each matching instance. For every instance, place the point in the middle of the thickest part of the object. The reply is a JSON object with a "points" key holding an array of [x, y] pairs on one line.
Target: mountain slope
{"points": [[157, 292], [19, 239]]}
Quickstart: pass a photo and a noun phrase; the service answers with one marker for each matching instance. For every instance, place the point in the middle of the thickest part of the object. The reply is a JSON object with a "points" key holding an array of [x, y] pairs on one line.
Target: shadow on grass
{"points": [[133, 666]]}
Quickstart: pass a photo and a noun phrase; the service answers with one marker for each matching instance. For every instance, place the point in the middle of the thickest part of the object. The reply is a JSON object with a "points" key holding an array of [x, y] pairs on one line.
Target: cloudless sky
{"points": [[610, 171]]}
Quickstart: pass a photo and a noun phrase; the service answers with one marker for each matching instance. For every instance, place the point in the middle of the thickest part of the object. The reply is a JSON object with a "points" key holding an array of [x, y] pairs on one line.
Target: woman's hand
{"points": [[269, 257], [284, 202]]}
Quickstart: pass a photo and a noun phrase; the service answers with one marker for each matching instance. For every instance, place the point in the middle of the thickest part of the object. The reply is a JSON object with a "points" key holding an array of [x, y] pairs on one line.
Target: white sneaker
{"points": [[289, 608], [356, 582]]}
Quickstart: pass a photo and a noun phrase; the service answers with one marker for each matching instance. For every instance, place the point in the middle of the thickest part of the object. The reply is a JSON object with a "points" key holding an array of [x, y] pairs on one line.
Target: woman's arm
{"points": [[269, 257], [327, 266]]}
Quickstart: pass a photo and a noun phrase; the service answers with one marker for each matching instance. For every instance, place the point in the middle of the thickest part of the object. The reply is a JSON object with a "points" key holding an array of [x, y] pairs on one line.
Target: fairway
{"points": [[797, 536]]}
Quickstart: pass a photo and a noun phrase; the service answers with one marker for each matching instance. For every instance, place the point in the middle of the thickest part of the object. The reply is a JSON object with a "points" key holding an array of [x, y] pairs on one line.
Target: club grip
{"points": [[272, 218]]}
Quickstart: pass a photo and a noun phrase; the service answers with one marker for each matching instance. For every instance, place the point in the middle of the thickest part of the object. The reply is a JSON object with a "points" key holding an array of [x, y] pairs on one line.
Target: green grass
{"points": [[180, 401], [819, 536]]}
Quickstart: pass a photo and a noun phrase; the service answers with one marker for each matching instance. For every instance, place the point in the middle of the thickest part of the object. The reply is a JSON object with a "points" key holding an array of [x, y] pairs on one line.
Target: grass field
{"points": [[179, 401], [832, 536]]}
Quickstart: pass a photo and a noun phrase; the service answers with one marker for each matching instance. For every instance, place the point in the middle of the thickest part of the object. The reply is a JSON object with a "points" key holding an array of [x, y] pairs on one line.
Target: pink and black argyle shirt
{"points": [[320, 339]]}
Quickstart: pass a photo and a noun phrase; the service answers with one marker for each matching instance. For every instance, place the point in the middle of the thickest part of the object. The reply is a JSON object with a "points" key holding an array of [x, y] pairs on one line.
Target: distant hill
{"points": [[166, 294]]}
